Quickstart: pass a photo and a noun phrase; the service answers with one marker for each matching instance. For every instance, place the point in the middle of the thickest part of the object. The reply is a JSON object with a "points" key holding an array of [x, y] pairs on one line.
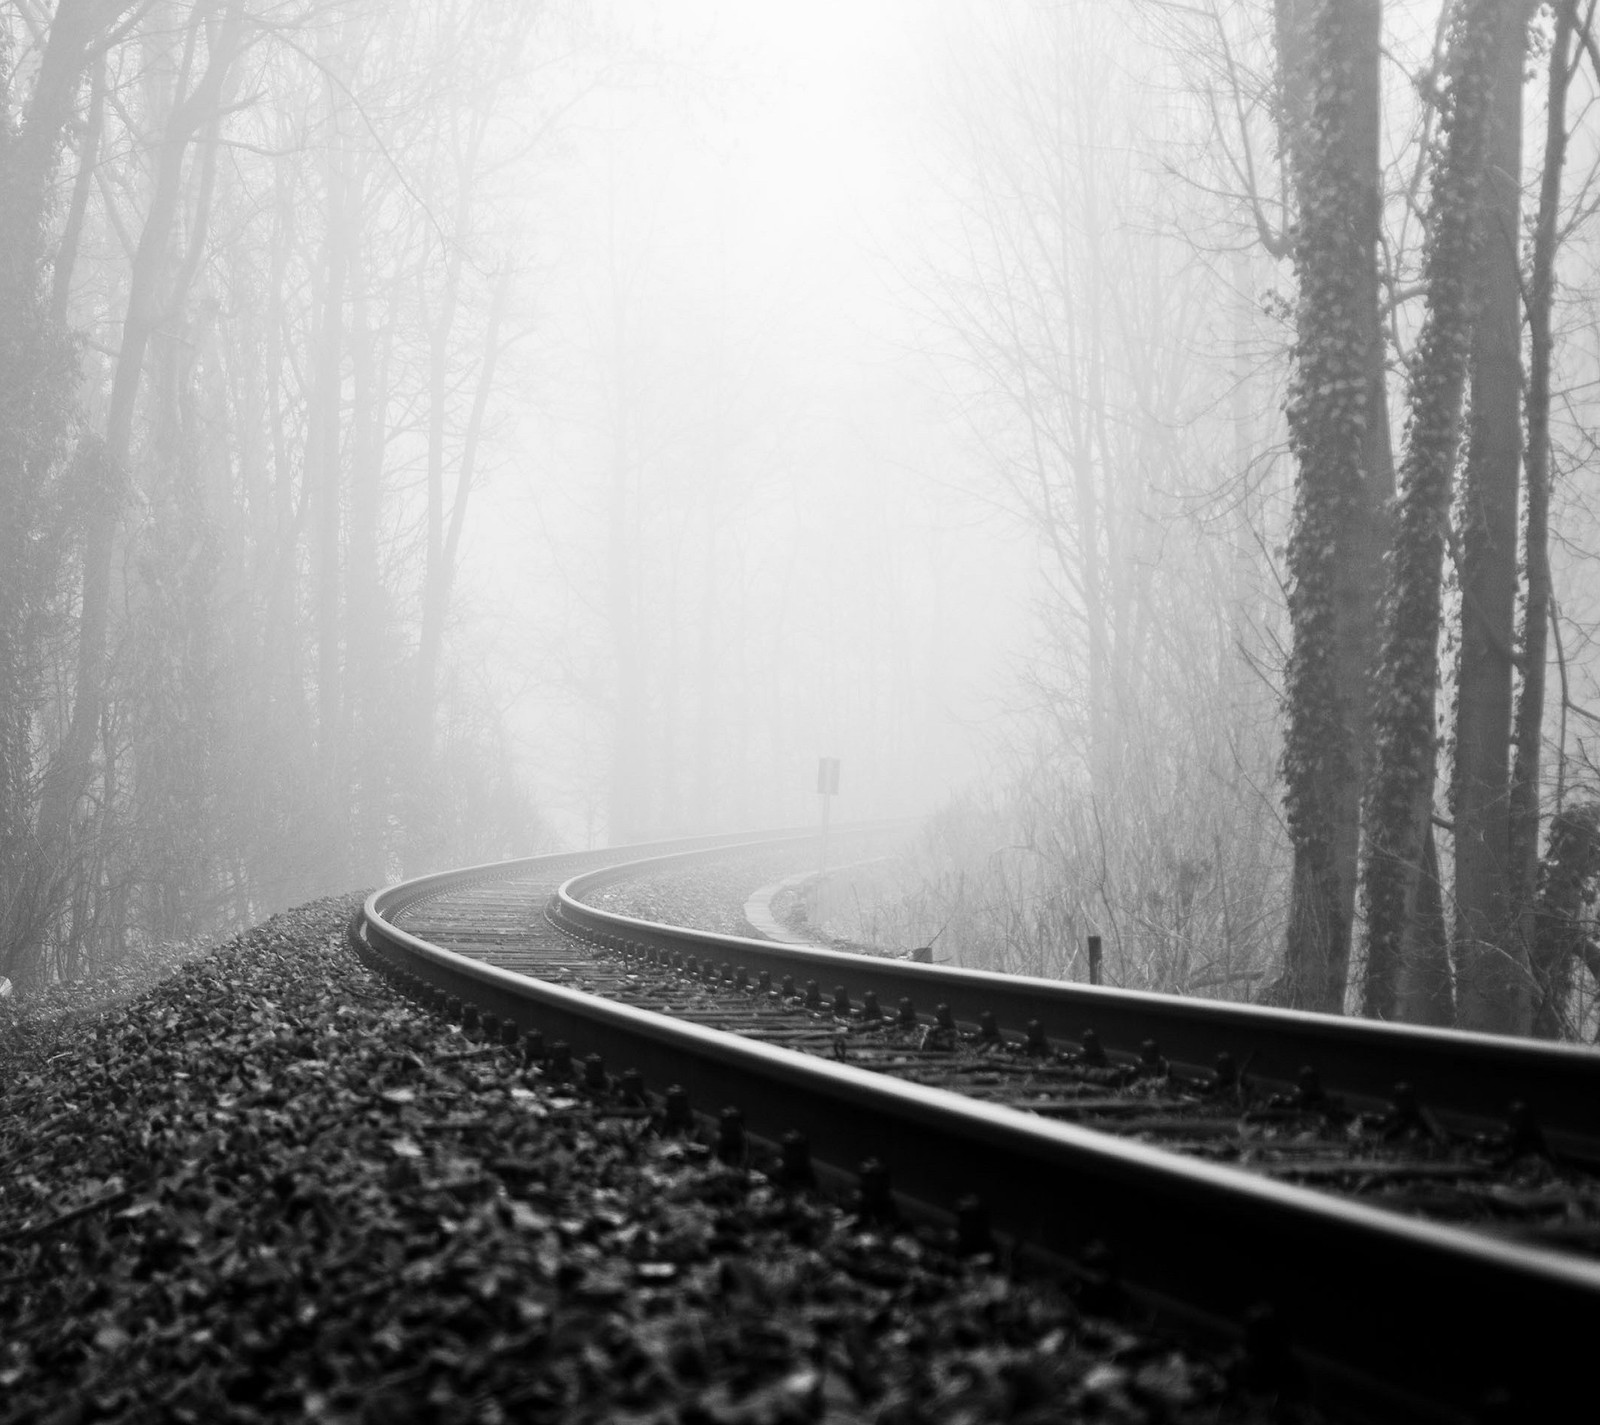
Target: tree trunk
{"points": [[67, 253], [1339, 432], [1560, 919], [370, 700], [325, 480], [1492, 967], [452, 520], [1528, 728], [1426, 988], [629, 750], [32, 162], [434, 576], [38, 377], [630, 753], [1399, 804]]}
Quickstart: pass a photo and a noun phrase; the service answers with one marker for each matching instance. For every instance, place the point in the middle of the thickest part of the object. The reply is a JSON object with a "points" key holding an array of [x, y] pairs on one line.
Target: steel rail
{"points": [[1412, 1320], [407, 894], [1475, 1083]]}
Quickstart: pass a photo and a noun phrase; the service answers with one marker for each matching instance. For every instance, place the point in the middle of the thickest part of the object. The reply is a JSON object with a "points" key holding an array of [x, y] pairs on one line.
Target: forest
{"points": [[1148, 440]]}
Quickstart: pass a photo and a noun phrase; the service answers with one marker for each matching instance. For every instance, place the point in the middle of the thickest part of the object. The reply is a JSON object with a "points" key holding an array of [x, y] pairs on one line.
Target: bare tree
{"points": [[212, 494], [36, 383]]}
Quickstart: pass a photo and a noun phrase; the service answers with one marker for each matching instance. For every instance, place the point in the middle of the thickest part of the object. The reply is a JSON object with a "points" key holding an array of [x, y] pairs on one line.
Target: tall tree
{"points": [[37, 381], [1398, 810], [1550, 953], [324, 476], [1339, 434], [1491, 961]]}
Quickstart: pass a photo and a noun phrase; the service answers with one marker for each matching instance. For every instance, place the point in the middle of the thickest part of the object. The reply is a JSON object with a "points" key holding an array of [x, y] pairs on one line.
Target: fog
{"points": [[816, 565], [438, 430], [754, 347]]}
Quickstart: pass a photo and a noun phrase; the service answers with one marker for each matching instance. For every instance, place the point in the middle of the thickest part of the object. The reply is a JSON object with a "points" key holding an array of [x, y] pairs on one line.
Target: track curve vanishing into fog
{"points": [[1385, 1309]]}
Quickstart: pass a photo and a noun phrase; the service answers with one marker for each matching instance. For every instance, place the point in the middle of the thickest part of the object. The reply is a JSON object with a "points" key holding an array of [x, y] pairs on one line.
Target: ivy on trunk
{"points": [[1339, 433], [1399, 805]]}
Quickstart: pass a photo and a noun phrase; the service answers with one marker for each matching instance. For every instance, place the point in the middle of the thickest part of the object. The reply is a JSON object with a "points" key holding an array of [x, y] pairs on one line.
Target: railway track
{"points": [[1464, 1149], [1404, 1318]]}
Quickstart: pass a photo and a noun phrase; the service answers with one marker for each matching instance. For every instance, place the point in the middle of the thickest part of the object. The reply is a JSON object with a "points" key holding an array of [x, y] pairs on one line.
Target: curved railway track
{"points": [[1404, 1318]]}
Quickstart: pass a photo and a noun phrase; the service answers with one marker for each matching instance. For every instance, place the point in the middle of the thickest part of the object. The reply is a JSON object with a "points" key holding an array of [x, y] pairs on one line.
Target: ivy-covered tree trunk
{"points": [[1528, 728], [1560, 920], [1427, 992], [1399, 804], [1339, 433], [1491, 964]]}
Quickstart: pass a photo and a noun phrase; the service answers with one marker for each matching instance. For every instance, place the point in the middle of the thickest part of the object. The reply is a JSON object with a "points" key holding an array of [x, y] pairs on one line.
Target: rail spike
{"points": [[677, 1114], [794, 1168], [1091, 1051], [730, 1135], [874, 1198]]}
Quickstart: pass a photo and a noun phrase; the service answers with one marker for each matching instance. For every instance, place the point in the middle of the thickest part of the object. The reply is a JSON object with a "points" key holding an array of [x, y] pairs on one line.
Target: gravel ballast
{"points": [[271, 1189]]}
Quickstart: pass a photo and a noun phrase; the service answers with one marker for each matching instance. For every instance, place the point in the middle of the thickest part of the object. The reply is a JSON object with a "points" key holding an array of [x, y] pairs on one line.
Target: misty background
{"points": [[444, 430]]}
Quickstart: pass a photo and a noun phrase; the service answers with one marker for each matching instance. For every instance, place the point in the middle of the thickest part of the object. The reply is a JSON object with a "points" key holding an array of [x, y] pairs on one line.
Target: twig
{"points": [[21, 1234]]}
